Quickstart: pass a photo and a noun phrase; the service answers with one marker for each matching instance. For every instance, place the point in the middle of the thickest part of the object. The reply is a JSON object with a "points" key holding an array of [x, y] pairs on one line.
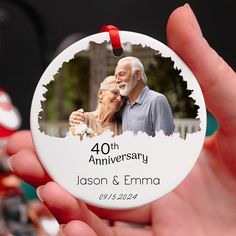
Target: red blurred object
{"points": [[4, 132], [9, 117], [9, 123], [115, 38]]}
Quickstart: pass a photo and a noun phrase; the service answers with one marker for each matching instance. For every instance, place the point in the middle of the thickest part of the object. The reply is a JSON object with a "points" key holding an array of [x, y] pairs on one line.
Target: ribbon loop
{"points": [[115, 38]]}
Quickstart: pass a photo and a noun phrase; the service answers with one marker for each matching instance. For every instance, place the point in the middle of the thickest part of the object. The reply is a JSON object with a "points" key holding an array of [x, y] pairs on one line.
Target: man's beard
{"points": [[9, 119], [128, 86]]}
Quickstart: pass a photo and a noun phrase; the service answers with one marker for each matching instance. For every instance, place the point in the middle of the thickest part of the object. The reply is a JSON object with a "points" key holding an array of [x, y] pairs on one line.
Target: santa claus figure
{"points": [[9, 123], [9, 116]]}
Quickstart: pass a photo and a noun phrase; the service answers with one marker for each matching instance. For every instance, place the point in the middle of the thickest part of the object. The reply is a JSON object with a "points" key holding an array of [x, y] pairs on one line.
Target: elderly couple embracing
{"points": [[125, 103]]}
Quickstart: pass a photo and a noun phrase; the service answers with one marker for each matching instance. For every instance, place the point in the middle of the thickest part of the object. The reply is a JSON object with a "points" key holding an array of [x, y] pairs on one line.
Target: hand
{"points": [[76, 117], [205, 202]]}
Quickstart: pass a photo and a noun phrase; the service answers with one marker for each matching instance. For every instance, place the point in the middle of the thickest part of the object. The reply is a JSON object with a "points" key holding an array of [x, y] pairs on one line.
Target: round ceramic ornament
{"points": [[118, 133]]}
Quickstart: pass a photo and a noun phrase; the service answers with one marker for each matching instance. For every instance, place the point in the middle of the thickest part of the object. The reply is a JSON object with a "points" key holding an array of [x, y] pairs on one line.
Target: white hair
{"points": [[136, 64]]}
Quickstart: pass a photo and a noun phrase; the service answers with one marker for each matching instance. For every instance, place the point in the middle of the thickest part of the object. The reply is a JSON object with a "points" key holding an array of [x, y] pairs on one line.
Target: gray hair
{"points": [[136, 64], [107, 82]]}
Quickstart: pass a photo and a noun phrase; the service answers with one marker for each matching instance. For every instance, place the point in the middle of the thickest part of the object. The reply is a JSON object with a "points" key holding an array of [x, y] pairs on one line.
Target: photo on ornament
{"points": [[141, 91]]}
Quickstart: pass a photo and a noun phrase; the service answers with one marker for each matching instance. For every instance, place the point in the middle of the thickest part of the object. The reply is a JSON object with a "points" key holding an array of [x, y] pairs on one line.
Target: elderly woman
{"points": [[103, 118]]}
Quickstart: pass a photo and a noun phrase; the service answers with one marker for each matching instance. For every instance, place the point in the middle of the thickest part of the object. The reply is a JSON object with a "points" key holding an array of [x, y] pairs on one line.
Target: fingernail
{"points": [[39, 192], [195, 23], [61, 229], [10, 163]]}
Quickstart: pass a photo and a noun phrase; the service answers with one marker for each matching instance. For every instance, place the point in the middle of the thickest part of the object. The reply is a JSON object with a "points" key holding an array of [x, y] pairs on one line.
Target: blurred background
{"points": [[33, 32]]}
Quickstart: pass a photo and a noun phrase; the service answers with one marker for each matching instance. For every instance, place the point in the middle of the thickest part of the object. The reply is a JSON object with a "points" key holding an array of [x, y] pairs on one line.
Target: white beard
{"points": [[128, 86], [10, 119]]}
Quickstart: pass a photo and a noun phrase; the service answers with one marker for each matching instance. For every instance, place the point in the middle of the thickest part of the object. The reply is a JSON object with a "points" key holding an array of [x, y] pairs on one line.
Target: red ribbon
{"points": [[115, 38]]}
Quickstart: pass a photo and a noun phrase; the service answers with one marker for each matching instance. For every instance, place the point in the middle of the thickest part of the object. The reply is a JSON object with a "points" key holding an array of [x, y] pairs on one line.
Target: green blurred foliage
{"points": [[166, 79], [67, 91]]}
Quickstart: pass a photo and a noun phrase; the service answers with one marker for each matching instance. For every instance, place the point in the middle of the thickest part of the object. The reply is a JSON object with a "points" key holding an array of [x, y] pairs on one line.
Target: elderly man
{"points": [[145, 110]]}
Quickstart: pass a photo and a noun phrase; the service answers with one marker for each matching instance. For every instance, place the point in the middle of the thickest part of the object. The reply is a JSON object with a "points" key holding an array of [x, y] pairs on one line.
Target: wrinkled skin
{"points": [[205, 202]]}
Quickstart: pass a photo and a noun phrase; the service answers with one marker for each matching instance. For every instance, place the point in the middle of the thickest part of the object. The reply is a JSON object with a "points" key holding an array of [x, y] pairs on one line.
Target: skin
{"points": [[110, 102], [7, 180], [123, 74], [205, 202], [76, 117]]}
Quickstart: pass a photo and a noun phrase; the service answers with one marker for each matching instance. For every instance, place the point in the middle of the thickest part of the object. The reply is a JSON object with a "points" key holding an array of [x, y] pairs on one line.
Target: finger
{"points": [[72, 116], [81, 110], [132, 230], [215, 77], [77, 115], [76, 122], [78, 118], [75, 119], [140, 215], [19, 140], [26, 165], [74, 113], [70, 208], [76, 227]]}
